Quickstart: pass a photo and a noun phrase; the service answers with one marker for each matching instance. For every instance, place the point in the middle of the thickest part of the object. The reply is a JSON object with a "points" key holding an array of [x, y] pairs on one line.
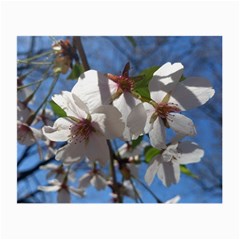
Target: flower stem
{"points": [[28, 60], [113, 173]]}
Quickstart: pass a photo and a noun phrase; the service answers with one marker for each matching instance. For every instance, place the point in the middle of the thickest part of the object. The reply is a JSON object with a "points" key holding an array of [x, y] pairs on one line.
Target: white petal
{"points": [[170, 152], [80, 103], [71, 176], [38, 134], [169, 173], [108, 118], [97, 149], [191, 93], [98, 182], [63, 196], [77, 191], [189, 152], [50, 166], [55, 182], [169, 69], [152, 170], [165, 80], [126, 152], [181, 124], [59, 132], [67, 103], [49, 188], [158, 134], [128, 190], [137, 119], [176, 199], [71, 152], [94, 89], [84, 181], [149, 111], [125, 104]]}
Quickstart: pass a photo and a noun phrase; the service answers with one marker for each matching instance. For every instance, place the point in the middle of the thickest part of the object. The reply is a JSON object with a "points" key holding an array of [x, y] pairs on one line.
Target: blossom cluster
{"points": [[103, 107]]}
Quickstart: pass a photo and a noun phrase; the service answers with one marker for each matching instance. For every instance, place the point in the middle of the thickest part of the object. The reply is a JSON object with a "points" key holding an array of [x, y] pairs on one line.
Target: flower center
{"points": [[81, 130], [163, 109], [125, 84]]}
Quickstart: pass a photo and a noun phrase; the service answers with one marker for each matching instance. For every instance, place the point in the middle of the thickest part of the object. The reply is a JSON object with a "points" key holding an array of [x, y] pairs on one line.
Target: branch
{"points": [[77, 43], [26, 173]]}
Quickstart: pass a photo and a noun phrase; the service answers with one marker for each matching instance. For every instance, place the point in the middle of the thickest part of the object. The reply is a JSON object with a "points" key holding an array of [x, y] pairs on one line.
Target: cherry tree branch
{"points": [[78, 44]]}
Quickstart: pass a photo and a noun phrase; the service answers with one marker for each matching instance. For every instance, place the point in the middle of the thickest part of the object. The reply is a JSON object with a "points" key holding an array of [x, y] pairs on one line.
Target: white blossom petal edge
{"points": [[167, 164]]}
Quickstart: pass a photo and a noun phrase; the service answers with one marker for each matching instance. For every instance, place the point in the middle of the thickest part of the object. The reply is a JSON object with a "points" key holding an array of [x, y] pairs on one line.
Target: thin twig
{"points": [[148, 189]]}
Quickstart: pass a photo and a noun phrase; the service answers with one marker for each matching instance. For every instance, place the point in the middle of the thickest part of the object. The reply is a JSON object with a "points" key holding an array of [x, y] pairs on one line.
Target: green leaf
{"points": [[57, 110], [186, 171], [150, 152], [147, 75], [144, 93], [141, 86], [77, 70], [136, 142], [132, 41], [182, 78]]}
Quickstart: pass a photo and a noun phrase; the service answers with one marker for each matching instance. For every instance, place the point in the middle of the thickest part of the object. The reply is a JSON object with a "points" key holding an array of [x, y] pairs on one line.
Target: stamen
{"points": [[125, 84], [163, 109], [81, 130]]}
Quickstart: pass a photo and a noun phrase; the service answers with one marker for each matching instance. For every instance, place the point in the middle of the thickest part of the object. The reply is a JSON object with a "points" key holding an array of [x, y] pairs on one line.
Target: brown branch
{"points": [[77, 43]]}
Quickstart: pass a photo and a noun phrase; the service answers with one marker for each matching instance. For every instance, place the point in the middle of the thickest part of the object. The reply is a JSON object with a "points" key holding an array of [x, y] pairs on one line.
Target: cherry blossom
{"points": [[85, 131], [95, 177], [96, 89], [58, 172], [132, 154], [127, 151], [170, 97], [62, 189], [167, 164]]}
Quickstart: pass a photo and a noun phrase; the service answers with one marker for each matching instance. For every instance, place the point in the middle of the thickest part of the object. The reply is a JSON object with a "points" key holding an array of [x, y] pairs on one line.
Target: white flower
{"points": [[63, 190], [167, 164], [170, 97], [96, 89], [58, 172], [95, 177], [86, 131], [127, 151]]}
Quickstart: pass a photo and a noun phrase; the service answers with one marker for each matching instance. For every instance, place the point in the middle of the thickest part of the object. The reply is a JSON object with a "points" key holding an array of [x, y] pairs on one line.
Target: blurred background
{"points": [[200, 55]]}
